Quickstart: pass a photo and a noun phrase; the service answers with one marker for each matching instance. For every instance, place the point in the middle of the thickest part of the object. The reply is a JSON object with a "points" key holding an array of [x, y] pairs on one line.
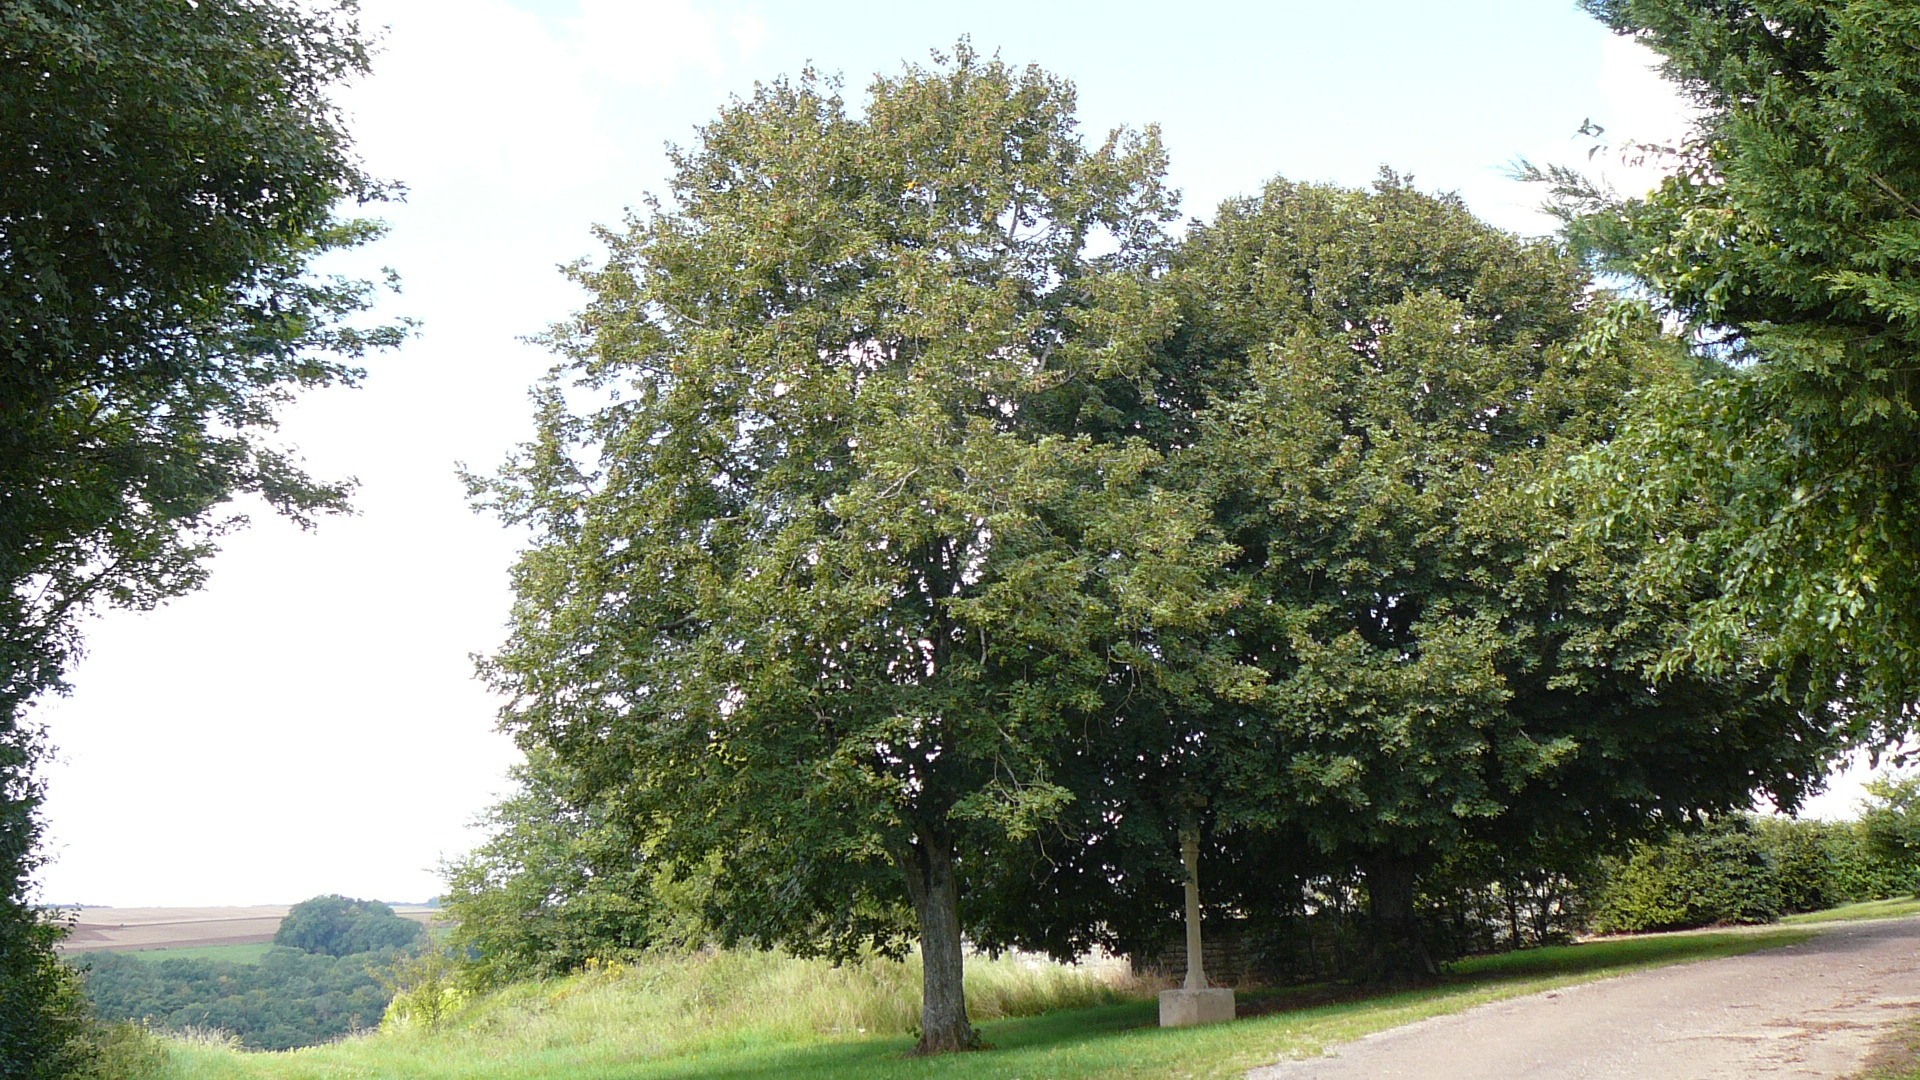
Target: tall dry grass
{"points": [[756, 1017], [663, 1004]]}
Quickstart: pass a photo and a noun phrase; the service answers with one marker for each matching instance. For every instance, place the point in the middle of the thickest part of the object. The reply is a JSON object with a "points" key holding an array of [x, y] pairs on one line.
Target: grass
{"points": [[1895, 1055], [734, 1016], [1895, 908], [238, 954]]}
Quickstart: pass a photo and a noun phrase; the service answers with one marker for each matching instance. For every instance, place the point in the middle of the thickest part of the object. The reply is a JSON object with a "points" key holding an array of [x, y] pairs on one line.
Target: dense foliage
{"points": [[168, 173], [1743, 869], [1372, 384], [1402, 376], [288, 998], [1721, 874], [1788, 239], [882, 531], [1890, 822], [559, 884], [828, 572], [335, 925]]}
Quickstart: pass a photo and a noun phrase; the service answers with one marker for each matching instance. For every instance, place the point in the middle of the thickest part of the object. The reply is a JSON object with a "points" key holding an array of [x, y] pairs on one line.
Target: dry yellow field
{"points": [[131, 929]]}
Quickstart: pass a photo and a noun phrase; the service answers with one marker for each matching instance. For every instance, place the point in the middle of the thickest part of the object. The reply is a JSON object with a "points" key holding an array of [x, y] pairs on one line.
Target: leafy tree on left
{"points": [[168, 175]]}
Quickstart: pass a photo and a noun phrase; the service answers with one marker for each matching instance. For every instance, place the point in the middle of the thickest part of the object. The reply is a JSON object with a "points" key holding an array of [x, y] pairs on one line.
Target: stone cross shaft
{"points": [[1190, 855]]}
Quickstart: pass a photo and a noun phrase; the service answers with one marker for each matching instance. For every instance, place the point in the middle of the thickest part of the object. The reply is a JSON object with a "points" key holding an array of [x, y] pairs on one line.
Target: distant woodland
{"points": [[323, 979]]}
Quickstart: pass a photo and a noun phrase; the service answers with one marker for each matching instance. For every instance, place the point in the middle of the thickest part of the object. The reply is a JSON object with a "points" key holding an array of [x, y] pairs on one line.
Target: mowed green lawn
{"points": [[1895, 908], [640, 1024]]}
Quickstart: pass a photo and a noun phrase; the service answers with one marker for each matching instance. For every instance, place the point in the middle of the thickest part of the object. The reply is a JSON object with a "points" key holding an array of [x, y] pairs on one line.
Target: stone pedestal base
{"points": [[1183, 1008]]}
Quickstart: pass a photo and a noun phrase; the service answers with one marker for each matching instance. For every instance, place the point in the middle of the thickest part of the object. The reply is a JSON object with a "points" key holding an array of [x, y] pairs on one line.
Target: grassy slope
{"points": [[745, 1018], [1897, 907]]}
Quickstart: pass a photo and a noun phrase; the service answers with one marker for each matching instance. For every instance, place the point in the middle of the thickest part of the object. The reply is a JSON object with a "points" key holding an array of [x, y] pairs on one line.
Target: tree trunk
{"points": [[1399, 951], [935, 890]]}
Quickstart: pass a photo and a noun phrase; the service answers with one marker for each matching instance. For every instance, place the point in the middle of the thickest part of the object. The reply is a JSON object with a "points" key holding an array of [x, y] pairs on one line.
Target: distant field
{"points": [[235, 954], [141, 929]]}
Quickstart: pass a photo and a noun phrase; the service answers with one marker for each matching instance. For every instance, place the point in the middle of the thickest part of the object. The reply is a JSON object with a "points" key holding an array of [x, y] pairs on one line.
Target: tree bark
{"points": [[935, 889], [1399, 949]]}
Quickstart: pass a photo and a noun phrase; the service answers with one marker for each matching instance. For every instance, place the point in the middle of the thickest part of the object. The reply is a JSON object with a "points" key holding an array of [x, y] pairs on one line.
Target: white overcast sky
{"points": [[310, 721]]}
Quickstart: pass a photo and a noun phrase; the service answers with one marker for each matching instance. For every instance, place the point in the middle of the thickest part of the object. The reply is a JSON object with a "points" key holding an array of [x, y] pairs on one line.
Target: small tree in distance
{"points": [[338, 926]]}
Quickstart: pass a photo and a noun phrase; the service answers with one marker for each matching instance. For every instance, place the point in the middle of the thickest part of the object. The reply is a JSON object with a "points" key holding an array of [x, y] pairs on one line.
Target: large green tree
{"points": [[1788, 239], [1376, 383], [827, 574], [168, 173], [1409, 377], [1376, 394]]}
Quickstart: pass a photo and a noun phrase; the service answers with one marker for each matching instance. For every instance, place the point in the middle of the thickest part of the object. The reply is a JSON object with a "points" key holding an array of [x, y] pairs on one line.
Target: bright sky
{"points": [[310, 721]]}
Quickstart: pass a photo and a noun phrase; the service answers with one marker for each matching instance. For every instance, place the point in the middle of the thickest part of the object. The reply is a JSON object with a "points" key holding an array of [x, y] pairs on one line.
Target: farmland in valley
{"points": [[131, 929]]}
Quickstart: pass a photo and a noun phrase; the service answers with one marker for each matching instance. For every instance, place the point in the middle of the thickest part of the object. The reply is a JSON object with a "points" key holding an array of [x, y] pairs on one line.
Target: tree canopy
{"points": [[827, 574], [286, 999], [1788, 239], [336, 925], [168, 174], [902, 566], [1386, 382], [1412, 375]]}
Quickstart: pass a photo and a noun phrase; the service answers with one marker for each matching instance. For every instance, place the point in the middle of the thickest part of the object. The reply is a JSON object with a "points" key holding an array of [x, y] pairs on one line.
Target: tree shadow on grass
{"points": [[1125, 1039], [1016, 1048]]}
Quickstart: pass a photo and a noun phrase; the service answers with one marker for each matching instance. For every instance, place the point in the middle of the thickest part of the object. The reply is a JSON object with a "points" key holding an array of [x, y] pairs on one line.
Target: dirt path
{"points": [[1805, 1012]]}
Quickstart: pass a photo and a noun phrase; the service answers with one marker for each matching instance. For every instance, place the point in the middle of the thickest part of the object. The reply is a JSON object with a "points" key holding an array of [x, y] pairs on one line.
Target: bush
{"points": [[123, 1052], [1890, 824], [1754, 869], [1722, 873], [1863, 872], [1806, 862], [426, 987]]}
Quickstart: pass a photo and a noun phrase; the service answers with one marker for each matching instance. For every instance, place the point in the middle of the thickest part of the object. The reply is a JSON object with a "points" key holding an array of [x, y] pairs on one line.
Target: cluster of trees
{"points": [[925, 536], [168, 175], [331, 972], [335, 925], [288, 998]]}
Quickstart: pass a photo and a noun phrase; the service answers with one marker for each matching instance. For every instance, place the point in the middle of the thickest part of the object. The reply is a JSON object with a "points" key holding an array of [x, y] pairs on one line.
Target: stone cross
{"points": [[1190, 858], [1195, 1002]]}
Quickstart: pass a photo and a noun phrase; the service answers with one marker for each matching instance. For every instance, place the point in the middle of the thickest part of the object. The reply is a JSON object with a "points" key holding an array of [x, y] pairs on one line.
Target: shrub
{"points": [[121, 1051], [1806, 862], [1721, 873]]}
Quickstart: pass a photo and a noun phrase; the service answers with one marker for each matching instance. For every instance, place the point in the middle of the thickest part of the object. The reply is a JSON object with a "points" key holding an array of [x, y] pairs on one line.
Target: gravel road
{"points": [[1805, 1012]]}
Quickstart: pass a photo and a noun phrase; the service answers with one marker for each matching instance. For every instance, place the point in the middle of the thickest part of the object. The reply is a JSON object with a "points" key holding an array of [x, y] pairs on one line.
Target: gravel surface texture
{"points": [[1805, 1012]]}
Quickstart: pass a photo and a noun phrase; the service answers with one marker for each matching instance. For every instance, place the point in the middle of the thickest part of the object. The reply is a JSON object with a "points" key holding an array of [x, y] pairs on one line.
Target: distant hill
{"points": [[115, 929]]}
